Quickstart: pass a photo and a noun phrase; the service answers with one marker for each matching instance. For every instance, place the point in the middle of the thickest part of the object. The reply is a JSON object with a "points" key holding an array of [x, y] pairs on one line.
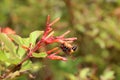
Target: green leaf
{"points": [[34, 35], [26, 42], [21, 52], [26, 65], [16, 38], [20, 41], [3, 56], [39, 55], [8, 43], [13, 60]]}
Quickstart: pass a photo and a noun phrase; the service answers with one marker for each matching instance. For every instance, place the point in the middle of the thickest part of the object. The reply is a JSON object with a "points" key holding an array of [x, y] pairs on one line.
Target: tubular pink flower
{"points": [[55, 57]]}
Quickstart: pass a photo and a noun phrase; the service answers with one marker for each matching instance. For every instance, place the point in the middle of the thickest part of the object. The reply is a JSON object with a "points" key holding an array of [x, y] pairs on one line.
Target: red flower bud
{"points": [[7, 30], [55, 57]]}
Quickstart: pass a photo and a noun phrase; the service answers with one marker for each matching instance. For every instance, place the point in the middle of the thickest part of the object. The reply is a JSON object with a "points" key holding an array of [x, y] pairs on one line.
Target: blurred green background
{"points": [[96, 24]]}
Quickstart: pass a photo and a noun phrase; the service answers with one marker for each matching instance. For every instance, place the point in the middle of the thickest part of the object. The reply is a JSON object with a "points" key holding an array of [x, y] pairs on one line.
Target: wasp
{"points": [[67, 48]]}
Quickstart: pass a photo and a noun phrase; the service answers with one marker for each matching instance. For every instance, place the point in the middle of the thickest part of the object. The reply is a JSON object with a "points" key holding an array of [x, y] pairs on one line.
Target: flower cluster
{"points": [[49, 38]]}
